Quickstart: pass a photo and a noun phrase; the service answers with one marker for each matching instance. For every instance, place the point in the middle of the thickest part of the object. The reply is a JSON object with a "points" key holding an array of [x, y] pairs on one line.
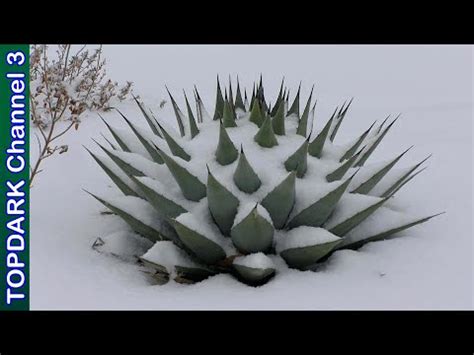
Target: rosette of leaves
{"points": [[252, 188]]}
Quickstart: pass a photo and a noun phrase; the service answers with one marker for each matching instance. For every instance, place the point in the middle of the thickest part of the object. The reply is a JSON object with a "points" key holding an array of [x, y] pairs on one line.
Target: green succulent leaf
{"points": [[253, 276], [280, 201], [256, 115], [385, 235], [318, 213], [226, 153], [194, 130], [351, 151], [339, 173], [127, 190], [137, 225], [278, 121], [203, 248], [228, 119], [315, 148], [347, 225], [239, 103], [222, 204], [279, 100], [298, 161], [190, 275], [148, 119], [126, 167], [146, 144], [191, 187], [253, 234], [370, 183], [302, 258], [265, 136], [244, 176], [340, 118], [407, 180], [117, 138], [162, 204], [175, 148], [369, 152], [219, 109], [295, 106], [303, 122], [109, 142], [179, 115], [401, 180]]}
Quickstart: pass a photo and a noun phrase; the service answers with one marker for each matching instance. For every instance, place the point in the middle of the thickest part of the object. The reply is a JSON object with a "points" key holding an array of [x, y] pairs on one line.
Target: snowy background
{"points": [[430, 268]]}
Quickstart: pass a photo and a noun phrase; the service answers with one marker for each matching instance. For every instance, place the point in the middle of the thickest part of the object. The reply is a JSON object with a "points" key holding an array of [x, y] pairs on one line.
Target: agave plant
{"points": [[252, 189]]}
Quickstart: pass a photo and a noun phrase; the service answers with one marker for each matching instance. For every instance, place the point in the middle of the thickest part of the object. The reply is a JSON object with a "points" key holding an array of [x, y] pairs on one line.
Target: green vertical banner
{"points": [[14, 177]]}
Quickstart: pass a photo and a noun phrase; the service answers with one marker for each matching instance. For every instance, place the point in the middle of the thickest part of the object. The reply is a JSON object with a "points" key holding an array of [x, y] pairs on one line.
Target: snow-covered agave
{"points": [[252, 189]]}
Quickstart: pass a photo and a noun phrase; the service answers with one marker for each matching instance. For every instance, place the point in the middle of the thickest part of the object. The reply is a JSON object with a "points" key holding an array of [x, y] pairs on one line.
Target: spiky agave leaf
{"points": [[150, 228], [278, 121], [254, 233], [117, 180], [305, 246], [245, 178], [315, 148], [254, 269], [223, 204], [150, 147], [178, 114], [280, 201], [369, 184], [392, 189], [175, 148], [194, 130], [265, 136], [148, 118], [202, 246], [385, 235], [374, 145], [298, 161], [303, 123], [318, 212], [226, 152], [295, 106], [193, 189], [351, 151]]}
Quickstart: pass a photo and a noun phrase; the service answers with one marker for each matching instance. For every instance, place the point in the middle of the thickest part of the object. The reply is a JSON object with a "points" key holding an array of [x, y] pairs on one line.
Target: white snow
{"points": [[430, 267], [168, 255], [256, 261], [303, 236], [123, 244]]}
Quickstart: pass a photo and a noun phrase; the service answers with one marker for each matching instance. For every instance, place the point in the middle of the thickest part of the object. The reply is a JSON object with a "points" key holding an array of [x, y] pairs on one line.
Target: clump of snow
{"points": [[256, 261], [303, 236], [245, 209], [123, 244], [168, 255]]}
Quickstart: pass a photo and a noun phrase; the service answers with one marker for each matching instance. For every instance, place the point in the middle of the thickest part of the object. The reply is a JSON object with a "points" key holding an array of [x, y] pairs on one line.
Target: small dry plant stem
{"points": [[62, 88]]}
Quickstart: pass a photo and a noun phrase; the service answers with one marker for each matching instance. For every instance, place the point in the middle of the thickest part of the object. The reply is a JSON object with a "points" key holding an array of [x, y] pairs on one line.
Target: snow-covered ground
{"points": [[431, 267]]}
